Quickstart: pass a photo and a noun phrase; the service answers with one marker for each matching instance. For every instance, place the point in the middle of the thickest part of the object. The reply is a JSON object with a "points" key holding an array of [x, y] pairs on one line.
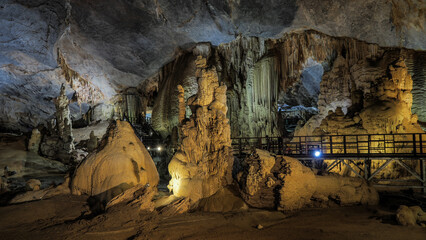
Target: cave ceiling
{"points": [[111, 45]]}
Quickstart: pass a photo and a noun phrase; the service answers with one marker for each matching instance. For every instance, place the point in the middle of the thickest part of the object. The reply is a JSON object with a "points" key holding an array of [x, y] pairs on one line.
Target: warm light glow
{"points": [[159, 148], [148, 148]]}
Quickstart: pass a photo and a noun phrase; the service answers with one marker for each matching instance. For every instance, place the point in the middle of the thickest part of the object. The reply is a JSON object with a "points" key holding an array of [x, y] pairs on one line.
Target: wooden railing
{"points": [[346, 150], [329, 146]]}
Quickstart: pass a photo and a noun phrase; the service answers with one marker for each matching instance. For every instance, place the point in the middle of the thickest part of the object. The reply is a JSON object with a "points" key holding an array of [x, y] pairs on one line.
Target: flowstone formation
{"points": [[202, 165], [120, 163], [269, 181]]}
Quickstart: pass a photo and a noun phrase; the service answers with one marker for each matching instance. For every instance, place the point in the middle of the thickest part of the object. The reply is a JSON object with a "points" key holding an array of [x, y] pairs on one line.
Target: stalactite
{"points": [[84, 90]]}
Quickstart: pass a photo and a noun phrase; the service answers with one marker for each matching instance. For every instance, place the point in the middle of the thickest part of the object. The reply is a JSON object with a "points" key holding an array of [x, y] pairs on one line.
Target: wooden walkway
{"points": [[349, 150]]}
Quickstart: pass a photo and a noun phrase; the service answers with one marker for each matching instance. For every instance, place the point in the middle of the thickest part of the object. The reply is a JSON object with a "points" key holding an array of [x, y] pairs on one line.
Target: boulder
{"points": [[270, 181], [121, 163], [409, 216], [298, 184], [33, 185]]}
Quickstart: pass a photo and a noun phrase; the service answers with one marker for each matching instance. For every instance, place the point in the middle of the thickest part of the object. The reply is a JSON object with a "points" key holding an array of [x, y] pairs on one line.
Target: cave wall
{"points": [[262, 73], [114, 45]]}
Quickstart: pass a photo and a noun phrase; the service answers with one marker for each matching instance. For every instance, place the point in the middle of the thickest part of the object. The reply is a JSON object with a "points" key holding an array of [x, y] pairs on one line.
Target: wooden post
{"points": [[240, 147], [367, 168], [259, 143], [423, 165], [421, 143], [344, 144], [414, 144], [306, 145], [394, 147], [368, 145], [280, 145], [384, 143], [331, 144], [357, 145], [268, 144]]}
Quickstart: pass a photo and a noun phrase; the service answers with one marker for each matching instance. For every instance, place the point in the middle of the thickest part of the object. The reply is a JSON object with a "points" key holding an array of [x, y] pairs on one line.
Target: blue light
{"points": [[317, 153]]}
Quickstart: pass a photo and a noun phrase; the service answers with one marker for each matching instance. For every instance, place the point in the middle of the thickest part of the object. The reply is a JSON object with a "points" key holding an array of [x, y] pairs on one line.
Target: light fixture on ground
{"points": [[317, 153]]}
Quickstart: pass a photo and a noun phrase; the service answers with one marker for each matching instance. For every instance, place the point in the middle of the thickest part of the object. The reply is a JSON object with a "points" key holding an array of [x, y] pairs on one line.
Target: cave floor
{"points": [[62, 217]]}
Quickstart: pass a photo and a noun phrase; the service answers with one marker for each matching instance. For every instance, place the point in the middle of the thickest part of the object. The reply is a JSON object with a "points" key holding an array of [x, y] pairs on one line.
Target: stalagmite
{"points": [[182, 105], [63, 120]]}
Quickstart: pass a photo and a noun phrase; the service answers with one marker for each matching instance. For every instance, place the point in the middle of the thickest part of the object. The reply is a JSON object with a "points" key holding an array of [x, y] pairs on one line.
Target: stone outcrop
{"points": [[33, 185], [139, 195], [63, 120], [203, 162], [120, 163], [34, 142], [410, 216], [269, 181], [362, 91], [58, 143]]}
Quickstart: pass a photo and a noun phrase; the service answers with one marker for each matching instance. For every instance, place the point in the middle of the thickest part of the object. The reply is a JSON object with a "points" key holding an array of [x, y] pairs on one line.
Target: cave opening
{"points": [[299, 103]]}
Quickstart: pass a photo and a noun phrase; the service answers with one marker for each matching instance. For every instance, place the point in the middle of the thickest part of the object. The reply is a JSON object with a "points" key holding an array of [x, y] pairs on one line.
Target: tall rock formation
{"points": [[202, 165], [63, 120]]}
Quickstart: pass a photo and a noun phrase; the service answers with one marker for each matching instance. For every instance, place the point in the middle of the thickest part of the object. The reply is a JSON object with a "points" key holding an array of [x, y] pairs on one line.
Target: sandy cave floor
{"points": [[63, 217]]}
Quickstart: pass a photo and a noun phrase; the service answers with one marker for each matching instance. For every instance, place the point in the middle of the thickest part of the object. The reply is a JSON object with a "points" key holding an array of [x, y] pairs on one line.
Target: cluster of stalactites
{"points": [[296, 48], [84, 90]]}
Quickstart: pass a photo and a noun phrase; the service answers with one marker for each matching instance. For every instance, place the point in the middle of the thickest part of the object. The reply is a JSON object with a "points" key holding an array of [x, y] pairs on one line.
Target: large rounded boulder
{"points": [[120, 163]]}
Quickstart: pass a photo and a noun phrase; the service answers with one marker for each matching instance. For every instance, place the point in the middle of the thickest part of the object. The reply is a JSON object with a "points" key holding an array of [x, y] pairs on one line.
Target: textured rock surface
{"points": [[34, 142], [121, 163], [33, 185], [373, 90], [202, 165], [27, 165], [407, 216], [268, 181], [99, 47], [139, 195], [224, 200]]}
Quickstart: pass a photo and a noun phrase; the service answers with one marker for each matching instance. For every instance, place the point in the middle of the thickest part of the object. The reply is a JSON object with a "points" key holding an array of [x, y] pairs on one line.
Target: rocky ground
{"points": [[65, 217]]}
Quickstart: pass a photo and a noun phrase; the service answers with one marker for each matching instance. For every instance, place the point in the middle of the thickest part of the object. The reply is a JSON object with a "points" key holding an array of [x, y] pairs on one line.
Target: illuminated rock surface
{"points": [[407, 216], [202, 165], [268, 181], [120, 163], [89, 46]]}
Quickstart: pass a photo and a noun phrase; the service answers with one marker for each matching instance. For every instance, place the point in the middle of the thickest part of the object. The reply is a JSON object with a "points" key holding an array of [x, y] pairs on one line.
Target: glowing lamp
{"points": [[148, 148], [159, 148], [317, 153]]}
